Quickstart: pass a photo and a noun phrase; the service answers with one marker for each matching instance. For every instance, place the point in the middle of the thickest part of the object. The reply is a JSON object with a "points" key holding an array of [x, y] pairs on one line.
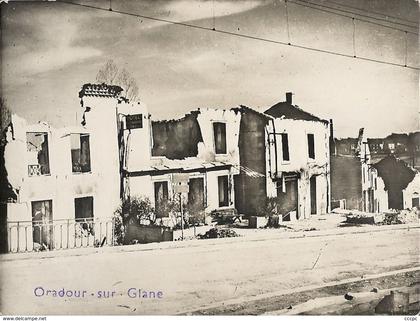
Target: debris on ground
{"points": [[348, 296], [363, 218], [401, 217], [273, 221], [39, 248], [396, 302], [216, 233], [342, 211], [226, 216], [386, 218]]}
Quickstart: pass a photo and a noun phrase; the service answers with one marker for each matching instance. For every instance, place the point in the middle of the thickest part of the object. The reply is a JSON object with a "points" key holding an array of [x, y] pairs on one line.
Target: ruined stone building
{"points": [[199, 150], [389, 183], [251, 182], [233, 160], [64, 185], [298, 160], [375, 174]]}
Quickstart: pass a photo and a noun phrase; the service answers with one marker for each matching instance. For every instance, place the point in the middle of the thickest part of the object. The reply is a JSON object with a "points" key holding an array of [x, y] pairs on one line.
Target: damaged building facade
{"points": [[231, 160], [388, 184], [66, 183], [298, 160], [375, 174], [63, 180], [194, 158]]}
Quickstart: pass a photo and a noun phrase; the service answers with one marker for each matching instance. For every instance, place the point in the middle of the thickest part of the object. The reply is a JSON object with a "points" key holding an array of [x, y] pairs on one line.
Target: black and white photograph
{"points": [[204, 158]]}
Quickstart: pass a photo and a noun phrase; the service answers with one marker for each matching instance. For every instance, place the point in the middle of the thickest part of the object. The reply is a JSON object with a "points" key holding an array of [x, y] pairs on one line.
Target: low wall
{"points": [[189, 232], [147, 234]]}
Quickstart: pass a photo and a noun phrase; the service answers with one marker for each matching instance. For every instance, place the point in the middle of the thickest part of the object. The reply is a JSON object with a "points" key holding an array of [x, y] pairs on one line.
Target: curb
{"points": [[199, 243]]}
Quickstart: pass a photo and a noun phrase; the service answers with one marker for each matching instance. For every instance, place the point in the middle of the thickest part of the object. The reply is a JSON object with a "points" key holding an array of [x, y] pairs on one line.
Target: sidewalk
{"points": [[325, 225]]}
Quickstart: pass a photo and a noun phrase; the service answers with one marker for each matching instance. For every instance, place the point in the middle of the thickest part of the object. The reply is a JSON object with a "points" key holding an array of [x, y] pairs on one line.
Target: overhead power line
{"points": [[318, 7], [236, 34], [376, 13]]}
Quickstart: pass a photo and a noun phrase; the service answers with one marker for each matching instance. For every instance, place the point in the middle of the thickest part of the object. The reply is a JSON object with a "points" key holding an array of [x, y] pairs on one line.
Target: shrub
{"points": [[133, 210], [195, 214], [119, 231], [268, 207], [216, 233], [167, 208], [136, 209]]}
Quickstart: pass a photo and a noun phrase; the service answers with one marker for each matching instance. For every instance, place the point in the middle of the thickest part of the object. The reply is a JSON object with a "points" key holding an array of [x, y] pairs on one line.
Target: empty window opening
{"points": [[311, 146], [285, 146], [223, 183], [84, 212], [219, 130], [80, 153], [83, 208], [42, 224], [196, 198], [161, 199], [37, 147]]}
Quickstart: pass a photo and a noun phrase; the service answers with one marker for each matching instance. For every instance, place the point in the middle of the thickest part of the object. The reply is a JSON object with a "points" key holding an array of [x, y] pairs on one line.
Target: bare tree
{"points": [[111, 75], [129, 84], [108, 73]]}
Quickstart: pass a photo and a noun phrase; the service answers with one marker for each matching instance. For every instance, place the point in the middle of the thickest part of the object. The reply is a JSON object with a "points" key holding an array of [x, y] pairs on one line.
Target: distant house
{"points": [[346, 146], [346, 173], [403, 146], [414, 149], [378, 175], [388, 184]]}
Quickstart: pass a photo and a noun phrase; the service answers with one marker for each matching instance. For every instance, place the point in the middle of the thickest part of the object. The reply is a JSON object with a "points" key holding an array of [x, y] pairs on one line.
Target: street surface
{"points": [[192, 278]]}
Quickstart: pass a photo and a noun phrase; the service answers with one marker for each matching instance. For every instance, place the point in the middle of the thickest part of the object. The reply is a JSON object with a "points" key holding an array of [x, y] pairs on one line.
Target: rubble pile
{"points": [[361, 218], [401, 217], [386, 218], [410, 216], [216, 233]]}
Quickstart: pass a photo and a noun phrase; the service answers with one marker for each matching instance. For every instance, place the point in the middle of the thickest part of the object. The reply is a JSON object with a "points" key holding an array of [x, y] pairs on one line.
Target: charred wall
{"points": [[396, 176], [176, 139], [250, 192], [346, 180]]}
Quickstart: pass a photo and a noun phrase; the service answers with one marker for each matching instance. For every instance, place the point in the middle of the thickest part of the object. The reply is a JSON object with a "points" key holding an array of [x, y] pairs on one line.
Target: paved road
{"points": [[192, 278]]}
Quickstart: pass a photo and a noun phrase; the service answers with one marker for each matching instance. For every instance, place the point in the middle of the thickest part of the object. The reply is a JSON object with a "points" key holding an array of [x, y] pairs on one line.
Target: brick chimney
{"points": [[289, 97]]}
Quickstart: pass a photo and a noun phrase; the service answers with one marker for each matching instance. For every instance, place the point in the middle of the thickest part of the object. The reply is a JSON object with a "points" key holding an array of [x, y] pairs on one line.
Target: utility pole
{"points": [[182, 216], [180, 181]]}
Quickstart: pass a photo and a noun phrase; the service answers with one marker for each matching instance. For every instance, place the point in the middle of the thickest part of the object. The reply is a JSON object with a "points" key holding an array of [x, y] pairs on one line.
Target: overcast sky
{"points": [[51, 49]]}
